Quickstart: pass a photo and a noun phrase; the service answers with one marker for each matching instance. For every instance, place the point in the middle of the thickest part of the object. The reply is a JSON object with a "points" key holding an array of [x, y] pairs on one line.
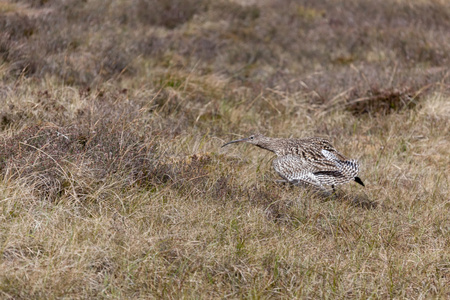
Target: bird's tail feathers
{"points": [[348, 167]]}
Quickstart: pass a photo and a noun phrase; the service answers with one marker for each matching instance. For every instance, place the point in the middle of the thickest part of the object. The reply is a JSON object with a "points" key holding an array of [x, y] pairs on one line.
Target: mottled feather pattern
{"points": [[288, 168], [312, 161]]}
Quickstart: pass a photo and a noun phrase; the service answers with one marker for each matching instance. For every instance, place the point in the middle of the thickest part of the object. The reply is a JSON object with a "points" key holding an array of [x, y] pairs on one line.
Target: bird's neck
{"points": [[271, 144]]}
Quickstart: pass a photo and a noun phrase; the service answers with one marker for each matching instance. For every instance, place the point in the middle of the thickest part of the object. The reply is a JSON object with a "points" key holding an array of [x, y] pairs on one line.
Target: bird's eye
{"points": [[252, 137]]}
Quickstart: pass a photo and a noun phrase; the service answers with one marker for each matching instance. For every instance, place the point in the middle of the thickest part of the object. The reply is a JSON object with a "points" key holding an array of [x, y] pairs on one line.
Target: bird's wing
{"points": [[317, 161], [318, 172], [323, 145], [296, 170]]}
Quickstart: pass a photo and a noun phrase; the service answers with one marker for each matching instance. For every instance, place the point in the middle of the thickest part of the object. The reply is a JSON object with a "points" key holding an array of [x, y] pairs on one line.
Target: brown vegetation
{"points": [[113, 183]]}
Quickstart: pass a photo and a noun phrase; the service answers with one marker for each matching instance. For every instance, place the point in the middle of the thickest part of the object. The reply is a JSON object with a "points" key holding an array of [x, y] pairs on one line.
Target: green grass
{"points": [[113, 183]]}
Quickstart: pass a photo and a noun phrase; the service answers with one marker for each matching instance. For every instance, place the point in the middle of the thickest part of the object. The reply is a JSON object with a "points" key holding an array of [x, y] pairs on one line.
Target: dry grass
{"points": [[113, 183]]}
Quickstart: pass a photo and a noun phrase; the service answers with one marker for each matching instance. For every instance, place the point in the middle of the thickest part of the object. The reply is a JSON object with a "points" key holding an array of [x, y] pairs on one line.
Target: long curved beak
{"points": [[236, 141]]}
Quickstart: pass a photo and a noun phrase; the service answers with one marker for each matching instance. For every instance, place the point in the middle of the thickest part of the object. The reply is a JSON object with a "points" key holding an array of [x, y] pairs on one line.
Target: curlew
{"points": [[309, 161]]}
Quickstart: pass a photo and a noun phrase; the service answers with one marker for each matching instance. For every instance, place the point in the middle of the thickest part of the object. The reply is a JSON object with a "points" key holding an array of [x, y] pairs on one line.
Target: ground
{"points": [[113, 183]]}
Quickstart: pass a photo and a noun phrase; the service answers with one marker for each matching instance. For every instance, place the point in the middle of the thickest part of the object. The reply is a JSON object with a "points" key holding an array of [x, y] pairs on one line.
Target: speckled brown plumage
{"points": [[311, 161]]}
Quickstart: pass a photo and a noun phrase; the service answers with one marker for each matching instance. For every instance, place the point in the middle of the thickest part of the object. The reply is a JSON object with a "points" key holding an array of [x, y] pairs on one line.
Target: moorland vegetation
{"points": [[113, 183]]}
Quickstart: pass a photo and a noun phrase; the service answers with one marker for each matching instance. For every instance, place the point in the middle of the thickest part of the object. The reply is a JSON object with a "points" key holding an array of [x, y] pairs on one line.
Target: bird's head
{"points": [[254, 139]]}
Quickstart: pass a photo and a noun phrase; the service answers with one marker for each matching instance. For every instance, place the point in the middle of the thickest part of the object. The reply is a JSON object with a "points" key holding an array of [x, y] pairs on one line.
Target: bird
{"points": [[309, 161]]}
